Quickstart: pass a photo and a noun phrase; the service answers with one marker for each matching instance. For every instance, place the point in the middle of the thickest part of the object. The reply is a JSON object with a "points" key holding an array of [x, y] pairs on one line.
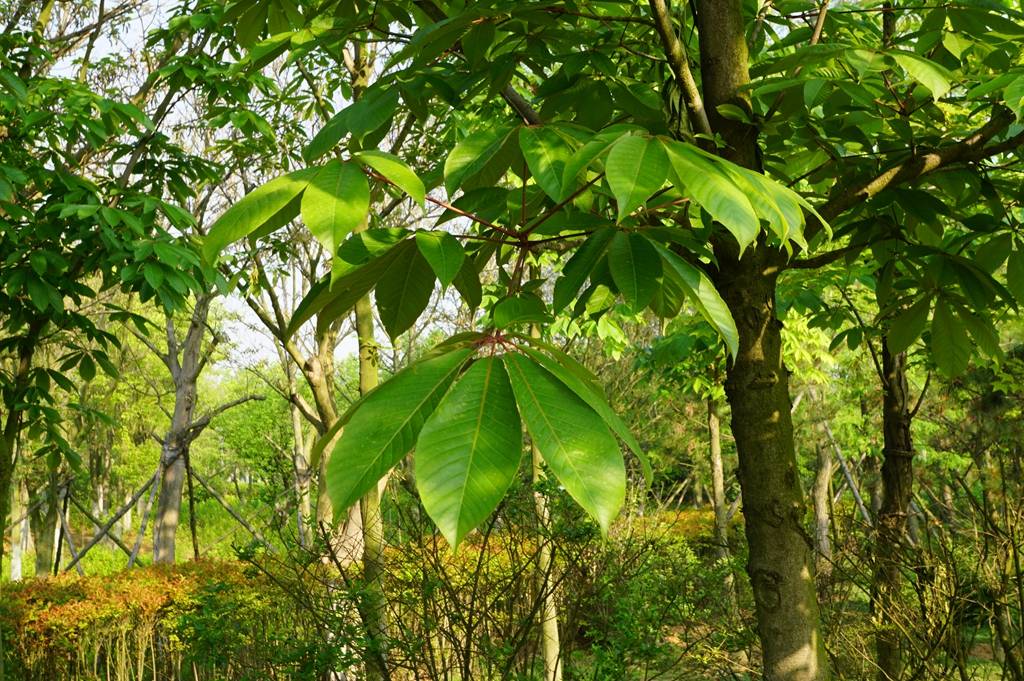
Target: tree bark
{"points": [[375, 615], [43, 524], [19, 532], [897, 489], [822, 516], [11, 431], [781, 560]]}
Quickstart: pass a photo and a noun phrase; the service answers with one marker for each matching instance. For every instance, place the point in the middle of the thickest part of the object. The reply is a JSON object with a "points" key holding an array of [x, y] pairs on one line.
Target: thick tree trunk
{"points": [[781, 560], [172, 482], [13, 410], [19, 531], [897, 488], [718, 483]]}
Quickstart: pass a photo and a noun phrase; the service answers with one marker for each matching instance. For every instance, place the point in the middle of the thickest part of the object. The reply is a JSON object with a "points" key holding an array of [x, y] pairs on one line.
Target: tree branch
{"points": [[680, 66], [197, 427]]}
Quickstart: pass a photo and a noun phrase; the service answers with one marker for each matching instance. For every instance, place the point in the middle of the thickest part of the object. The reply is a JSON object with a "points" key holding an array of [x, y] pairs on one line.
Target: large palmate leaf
{"points": [[385, 426], [335, 202], [635, 267], [636, 168], [257, 208], [469, 450], [572, 439]]}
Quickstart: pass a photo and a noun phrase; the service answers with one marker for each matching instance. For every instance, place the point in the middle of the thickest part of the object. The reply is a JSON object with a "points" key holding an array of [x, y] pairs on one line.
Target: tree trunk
{"points": [[172, 453], [19, 531], [43, 525], [781, 560], [822, 517], [375, 615], [9, 435], [897, 488]]}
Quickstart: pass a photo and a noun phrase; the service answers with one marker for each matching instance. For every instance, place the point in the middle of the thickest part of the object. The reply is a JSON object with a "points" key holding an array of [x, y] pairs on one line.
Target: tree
{"points": [[684, 196]]}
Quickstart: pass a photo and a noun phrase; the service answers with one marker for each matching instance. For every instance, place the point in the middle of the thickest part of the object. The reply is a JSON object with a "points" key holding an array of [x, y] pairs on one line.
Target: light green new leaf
{"points": [[367, 114], [635, 267], [572, 439], [580, 265], [926, 72], [636, 167], [469, 450], [908, 326], [713, 190], [704, 296], [259, 206], [472, 155], [404, 291], [395, 170], [385, 426], [950, 345], [336, 201], [444, 253], [587, 154], [546, 153]]}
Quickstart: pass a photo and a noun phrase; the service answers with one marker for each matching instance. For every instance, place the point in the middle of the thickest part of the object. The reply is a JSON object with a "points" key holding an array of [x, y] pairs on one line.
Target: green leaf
{"points": [[467, 283], [950, 346], [1015, 274], [396, 170], [469, 450], [635, 267], [587, 389], [704, 296], [908, 326], [1014, 96], [926, 72], [636, 168], [586, 155], [546, 154], [713, 190], [521, 309], [256, 208], [444, 253], [404, 291], [982, 332], [473, 155], [385, 426], [579, 267], [572, 439], [332, 300], [336, 201], [372, 111], [87, 368]]}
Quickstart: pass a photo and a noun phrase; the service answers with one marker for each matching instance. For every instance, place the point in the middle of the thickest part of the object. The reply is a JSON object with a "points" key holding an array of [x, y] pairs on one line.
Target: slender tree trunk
{"points": [[375, 616], [781, 560], [822, 517], [19, 531], [722, 551], [897, 488]]}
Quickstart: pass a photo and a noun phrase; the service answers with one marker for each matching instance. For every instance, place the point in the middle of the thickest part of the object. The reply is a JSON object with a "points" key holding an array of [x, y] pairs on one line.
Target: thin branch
{"points": [[680, 66]]}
